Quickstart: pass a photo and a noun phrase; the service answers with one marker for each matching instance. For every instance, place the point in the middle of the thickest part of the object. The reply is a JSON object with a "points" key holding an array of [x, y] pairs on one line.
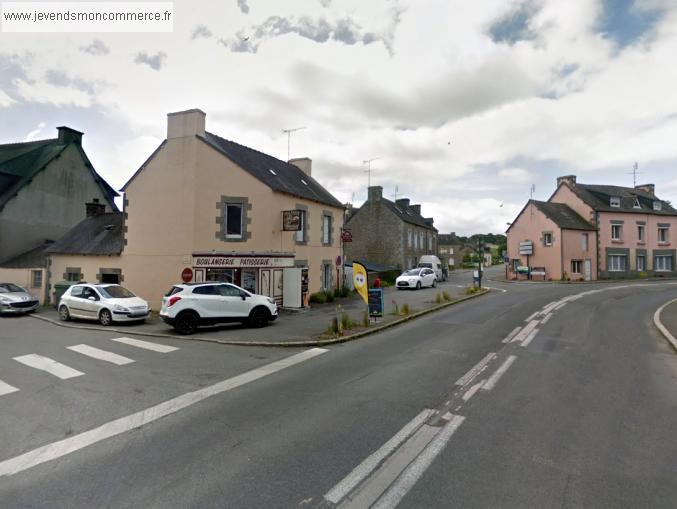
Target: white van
{"points": [[432, 262]]}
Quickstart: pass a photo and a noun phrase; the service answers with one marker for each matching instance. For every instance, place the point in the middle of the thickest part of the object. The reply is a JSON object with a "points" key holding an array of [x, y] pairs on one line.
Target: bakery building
{"points": [[204, 208]]}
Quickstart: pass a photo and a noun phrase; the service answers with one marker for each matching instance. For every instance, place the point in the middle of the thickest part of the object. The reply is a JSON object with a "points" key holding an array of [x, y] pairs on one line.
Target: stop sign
{"points": [[187, 275]]}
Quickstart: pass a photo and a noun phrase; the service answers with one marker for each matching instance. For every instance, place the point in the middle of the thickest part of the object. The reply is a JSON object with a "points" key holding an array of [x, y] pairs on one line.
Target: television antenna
{"points": [[532, 191], [288, 133], [397, 189], [635, 171], [368, 170]]}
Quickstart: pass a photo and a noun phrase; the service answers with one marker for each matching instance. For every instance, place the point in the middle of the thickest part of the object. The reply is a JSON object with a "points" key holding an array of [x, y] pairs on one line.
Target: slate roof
{"points": [[446, 239], [94, 235], [406, 214], [36, 257], [598, 196], [562, 215], [286, 178], [20, 162]]}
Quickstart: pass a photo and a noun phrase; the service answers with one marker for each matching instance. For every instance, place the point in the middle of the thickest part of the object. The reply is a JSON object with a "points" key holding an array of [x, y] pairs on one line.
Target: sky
{"points": [[463, 105]]}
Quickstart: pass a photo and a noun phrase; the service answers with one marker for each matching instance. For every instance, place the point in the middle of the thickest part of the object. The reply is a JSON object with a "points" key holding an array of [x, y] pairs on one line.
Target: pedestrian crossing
{"points": [[64, 372]]}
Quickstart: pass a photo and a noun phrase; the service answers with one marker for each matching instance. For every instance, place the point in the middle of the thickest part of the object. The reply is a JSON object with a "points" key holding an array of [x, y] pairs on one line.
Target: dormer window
{"points": [[615, 201], [657, 205], [637, 204]]}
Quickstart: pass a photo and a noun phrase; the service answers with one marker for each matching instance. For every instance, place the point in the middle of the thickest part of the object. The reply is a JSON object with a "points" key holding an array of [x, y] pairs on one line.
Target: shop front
{"points": [[260, 273]]}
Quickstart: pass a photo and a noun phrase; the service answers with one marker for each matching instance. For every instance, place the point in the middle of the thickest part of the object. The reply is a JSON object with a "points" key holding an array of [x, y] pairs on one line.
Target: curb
{"points": [[300, 343], [659, 325], [596, 281]]}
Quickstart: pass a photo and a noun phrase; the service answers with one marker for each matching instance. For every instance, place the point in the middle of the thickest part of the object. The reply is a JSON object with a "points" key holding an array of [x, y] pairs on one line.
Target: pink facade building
{"points": [[587, 232]]}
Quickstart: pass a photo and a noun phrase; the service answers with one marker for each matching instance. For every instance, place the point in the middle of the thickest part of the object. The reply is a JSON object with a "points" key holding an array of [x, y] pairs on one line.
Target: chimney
{"points": [[186, 123], [429, 221], [570, 179], [402, 202], [416, 208], [648, 188], [94, 208], [375, 193], [68, 135], [305, 164]]}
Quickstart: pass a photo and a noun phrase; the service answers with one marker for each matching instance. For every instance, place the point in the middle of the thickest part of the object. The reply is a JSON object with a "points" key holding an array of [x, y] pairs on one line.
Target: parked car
{"points": [[188, 306], [416, 278], [106, 303], [434, 263], [16, 300]]}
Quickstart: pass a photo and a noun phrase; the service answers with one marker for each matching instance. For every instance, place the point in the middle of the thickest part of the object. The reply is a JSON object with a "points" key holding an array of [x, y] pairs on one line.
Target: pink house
{"points": [[591, 231]]}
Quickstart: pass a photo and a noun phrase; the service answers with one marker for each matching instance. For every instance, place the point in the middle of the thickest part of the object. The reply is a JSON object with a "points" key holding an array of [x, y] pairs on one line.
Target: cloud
{"points": [[5, 100], [155, 62], [242, 4], [201, 31], [96, 47], [518, 175], [31, 135], [61, 79]]}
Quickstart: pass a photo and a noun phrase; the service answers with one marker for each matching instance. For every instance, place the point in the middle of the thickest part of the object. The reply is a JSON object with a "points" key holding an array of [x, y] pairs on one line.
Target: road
{"points": [[578, 410]]}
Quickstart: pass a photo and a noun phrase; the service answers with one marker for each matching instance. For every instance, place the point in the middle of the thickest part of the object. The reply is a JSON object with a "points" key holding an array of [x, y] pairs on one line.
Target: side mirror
{"points": [[244, 296]]}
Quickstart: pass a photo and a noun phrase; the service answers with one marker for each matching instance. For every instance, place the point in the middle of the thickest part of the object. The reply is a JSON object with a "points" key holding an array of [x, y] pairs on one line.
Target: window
{"points": [[616, 263], [326, 230], [657, 205], [641, 263], [77, 291], [663, 263], [229, 291], [72, 274], [443, 250], [410, 238], [205, 290], [547, 238], [576, 266], [233, 220], [636, 204], [36, 278], [430, 243], [616, 230], [615, 201], [300, 235], [663, 234], [640, 232], [584, 241]]}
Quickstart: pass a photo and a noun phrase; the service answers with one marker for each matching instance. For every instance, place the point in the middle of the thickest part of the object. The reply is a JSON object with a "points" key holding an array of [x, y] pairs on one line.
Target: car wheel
{"points": [[434, 283], [105, 318], [259, 318], [186, 323], [418, 285], [64, 314]]}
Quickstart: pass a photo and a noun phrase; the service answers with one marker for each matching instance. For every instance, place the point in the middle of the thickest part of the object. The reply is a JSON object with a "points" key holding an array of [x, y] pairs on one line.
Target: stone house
{"points": [[389, 233], [595, 232]]}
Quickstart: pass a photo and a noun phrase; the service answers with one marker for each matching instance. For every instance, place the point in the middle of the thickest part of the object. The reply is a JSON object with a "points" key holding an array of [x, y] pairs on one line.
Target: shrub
{"points": [[396, 309], [329, 296], [365, 319], [438, 298], [318, 298], [446, 296], [469, 290], [346, 322], [406, 309], [333, 328]]}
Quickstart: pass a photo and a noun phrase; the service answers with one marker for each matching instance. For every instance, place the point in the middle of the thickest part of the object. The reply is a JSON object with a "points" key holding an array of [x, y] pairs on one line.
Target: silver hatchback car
{"points": [[106, 303], [16, 300]]}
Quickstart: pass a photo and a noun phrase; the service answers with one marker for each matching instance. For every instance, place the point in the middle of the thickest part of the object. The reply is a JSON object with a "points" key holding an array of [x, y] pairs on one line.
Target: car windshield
{"points": [[413, 272], [115, 292], [9, 288], [427, 265]]}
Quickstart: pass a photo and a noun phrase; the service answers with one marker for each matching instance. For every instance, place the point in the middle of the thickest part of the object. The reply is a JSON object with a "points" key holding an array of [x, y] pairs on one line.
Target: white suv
{"points": [[187, 306]]}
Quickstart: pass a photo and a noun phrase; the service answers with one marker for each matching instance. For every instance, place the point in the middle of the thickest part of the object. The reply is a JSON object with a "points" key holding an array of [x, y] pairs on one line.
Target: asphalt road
{"points": [[582, 415]]}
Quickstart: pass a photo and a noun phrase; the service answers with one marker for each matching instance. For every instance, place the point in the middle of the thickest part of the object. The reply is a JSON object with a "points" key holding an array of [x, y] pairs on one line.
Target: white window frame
{"points": [[619, 228], [576, 266], [39, 275], [547, 239], [225, 220], [660, 264], [665, 232], [641, 233], [617, 266], [641, 268], [326, 229], [300, 235], [657, 205], [615, 201]]}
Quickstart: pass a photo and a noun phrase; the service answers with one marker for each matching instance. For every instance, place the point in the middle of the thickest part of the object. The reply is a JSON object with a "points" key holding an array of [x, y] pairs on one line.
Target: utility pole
{"points": [[368, 170], [288, 133], [480, 256]]}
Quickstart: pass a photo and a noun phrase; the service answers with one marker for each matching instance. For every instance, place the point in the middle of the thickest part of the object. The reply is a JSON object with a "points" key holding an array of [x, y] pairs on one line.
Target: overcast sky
{"points": [[465, 103]]}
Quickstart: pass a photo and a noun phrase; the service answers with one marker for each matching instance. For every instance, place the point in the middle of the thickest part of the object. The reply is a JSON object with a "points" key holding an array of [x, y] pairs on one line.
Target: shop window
{"points": [[36, 278]]}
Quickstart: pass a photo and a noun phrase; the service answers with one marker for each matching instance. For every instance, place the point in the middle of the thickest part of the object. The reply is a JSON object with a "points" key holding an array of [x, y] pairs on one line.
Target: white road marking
{"points": [[364, 469], [559, 306], [448, 416], [6, 388], [103, 355], [472, 391], [546, 318], [49, 365], [525, 331], [530, 337], [146, 344], [491, 383], [509, 337], [532, 316], [118, 426], [397, 491], [475, 370]]}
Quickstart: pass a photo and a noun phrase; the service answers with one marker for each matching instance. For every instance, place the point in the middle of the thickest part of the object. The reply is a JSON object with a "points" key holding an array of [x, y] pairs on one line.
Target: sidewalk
{"points": [[291, 326]]}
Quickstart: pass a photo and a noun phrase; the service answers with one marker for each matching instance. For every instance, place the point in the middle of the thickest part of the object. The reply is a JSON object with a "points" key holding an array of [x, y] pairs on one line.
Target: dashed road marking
{"points": [[146, 345], [546, 318], [49, 365], [475, 370], [6, 388], [103, 355], [491, 383], [530, 337], [509, 337]]}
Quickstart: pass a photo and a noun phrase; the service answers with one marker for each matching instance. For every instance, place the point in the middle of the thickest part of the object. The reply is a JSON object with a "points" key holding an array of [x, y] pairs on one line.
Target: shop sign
{"points": [[526, 248], [346, 235], [242, 261], [187, 275], [291, 220]]}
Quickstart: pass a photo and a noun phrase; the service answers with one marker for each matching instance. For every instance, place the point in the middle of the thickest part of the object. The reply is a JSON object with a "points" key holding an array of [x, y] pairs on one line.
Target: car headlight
{"points": [[272, 301], [412, 279], [4, 300], [118, 307]]}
